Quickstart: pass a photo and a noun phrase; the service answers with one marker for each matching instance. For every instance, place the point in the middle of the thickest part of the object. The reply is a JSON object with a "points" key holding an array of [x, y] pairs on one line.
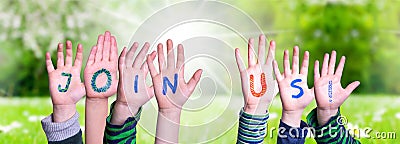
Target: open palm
{"points": [[171, 99], [101, 68], [132, 88], [65, 83], [258, 84], [293, 88], [329, 93]]}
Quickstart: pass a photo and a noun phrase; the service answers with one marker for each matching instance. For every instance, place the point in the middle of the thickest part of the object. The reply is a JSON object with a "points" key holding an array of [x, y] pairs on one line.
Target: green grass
{"points": [[216, 123]]}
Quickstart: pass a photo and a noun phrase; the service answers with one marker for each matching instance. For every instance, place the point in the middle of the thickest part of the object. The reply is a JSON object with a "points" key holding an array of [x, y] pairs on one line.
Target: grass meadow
{"points": [[213, 123]]}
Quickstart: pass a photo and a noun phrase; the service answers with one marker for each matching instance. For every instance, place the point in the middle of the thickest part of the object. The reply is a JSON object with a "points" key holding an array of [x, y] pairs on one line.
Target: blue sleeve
{"points": [[292, 135]]}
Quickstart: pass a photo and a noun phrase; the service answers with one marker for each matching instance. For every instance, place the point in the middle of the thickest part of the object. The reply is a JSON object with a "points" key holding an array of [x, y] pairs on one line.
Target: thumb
{"points": [[194, 80], [349, 89]]}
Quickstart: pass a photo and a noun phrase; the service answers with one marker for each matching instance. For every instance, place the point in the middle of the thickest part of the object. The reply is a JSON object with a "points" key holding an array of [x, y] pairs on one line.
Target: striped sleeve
{"points": [[121, 134], [331, 132], [251, 127]]}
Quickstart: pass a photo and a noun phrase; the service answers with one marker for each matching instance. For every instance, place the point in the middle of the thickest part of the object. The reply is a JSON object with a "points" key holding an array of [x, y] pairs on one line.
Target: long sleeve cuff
{"points": [[331, 132], [252, 127], [61, 131], [293, 135], [125, 133]]}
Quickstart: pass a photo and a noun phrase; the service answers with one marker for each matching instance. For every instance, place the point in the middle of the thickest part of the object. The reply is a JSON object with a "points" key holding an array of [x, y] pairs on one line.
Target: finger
{"points": [[239, 61], [140, 57], [340, 67], [250, 53], [114, 49], [160, 56], [49, 63], [316, 71], [324, 70], [60, 56], [121, 61], [194, 80], [99, 52], [350, 88], [68, 58], [131, 53], [79, 56], [332, 62], [261, 48], [150, 91], [170, 55], [107, 46], [150, 59], [295, 60], [286, 63], [277, 72], [181, 57], [304, 66], [271, 52], [92, 56], [145, 68]]}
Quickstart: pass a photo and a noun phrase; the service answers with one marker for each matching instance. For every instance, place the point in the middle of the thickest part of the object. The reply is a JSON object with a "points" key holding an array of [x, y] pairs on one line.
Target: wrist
{"points": [[255, 109], [62, 113], [323, 115], [292, 117], [121, 112]]}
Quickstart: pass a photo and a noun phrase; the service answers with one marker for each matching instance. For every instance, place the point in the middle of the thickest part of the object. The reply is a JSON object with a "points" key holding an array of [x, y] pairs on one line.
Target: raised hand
{"points": [[293, 88], [171, 91], [101, 68], [66, 88], [132, 88], [258, 84], [101, 82], [170, 87], [329, 92]]}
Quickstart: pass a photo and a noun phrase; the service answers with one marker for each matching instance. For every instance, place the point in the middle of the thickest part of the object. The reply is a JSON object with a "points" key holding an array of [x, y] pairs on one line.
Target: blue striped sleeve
{"points": [[251, 127]]}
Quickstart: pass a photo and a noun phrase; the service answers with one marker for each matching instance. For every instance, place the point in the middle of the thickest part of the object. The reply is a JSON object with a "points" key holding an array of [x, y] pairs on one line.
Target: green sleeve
{"points": [[331, 132], [121, 134]]}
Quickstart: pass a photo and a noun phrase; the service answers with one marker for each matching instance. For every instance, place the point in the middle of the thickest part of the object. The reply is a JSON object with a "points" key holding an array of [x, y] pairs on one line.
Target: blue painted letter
{"points": [[295, 86], [108, 84], [68, 82], [136, 83], [173, 87]]}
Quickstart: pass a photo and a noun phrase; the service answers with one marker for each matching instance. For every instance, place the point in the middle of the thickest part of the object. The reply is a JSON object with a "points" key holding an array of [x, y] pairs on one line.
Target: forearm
{"points": [[292, 118], [121, 133], [323, 116], [63, 113], [95, 120], [168, 122], [256, 109], [121, 112]]}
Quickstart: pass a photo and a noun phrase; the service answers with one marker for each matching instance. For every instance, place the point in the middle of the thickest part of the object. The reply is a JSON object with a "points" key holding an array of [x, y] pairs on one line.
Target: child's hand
{"points": [[170, 87], [329, 93], [66, 88], [258, 84], [132, 88], [171, 91], [294, 91], [101, 68]]}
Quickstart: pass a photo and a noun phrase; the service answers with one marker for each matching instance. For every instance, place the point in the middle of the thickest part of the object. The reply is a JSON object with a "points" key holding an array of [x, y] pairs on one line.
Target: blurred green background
{"points": [[367, 32]]}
